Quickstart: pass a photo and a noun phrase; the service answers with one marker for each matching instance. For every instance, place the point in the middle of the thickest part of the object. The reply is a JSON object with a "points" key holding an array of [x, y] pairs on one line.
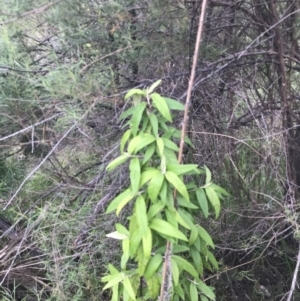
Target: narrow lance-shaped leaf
{"points": [[135, 174], [193, 292], [185, 265], [206, 290], [118, 199], [136, 117], [165, 228], [154, 186], [134, 91], [141, 214], [128, 288], [118, 161], [174, 104], [205, 236], [146, 140], [133, 144], [178, 184], [208, 176], [214, 199], [147, 243], [153, 265], [153, 86], [202, 200], [154, 124], [160, 146], [124, 139], [161, 105]]}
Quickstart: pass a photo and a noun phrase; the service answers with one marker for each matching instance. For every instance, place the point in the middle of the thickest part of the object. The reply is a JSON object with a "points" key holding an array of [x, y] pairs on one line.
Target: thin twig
{"points": [[165, 286], [293, 285]]}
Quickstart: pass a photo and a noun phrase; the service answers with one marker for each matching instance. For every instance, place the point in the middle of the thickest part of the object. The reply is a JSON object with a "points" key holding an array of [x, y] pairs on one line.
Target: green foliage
{"points": [[158, 213]]}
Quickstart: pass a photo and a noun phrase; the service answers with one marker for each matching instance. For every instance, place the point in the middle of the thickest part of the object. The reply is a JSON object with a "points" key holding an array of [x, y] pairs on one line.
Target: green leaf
{"points": [[133, 144], [154, 124], [206, 290], [219, 189], [154, 186], [160, 145], [182, 169], [165, 228], [141, 214], [161, 105], [137, 117], [203, 298], [117, 235], [128, 288], [185, 265], [163, 164], [146, 140], [147, 243], [121, 229], [198, 264], [115, 280], [148, 174], [214, 199], [179, 291], [135, 91], [153, 265], [176, 249], [181, 221], [135, 174], [124, 139], [213, 260], [175, 272], [118, 199], [193, 292], [174, 104], [116, 162], [183, 203], [142, 261], [153, 285], [208, 176], [202, 200], [153, 86], [193, 236], [124, 202], [134, 235], [149, 153], [170, 144], [178, 184], [112, 269], [205, 236], [154, 209], [127, 113], [125, 255]]}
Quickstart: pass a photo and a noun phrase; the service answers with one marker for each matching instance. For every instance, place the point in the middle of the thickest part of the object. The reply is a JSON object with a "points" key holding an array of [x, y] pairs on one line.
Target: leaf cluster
{"points": [[164, 207]]}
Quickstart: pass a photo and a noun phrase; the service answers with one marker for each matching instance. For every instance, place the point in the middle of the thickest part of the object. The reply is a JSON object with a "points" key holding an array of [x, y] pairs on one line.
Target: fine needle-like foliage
{"points": [[157, 214]]}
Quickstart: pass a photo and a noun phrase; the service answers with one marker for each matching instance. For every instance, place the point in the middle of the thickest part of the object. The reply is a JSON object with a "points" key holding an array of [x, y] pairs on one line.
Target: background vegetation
{"points": [[65, 67]]}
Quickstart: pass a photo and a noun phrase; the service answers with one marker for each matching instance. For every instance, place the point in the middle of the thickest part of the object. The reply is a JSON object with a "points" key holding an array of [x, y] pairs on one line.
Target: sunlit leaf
{"points": [[178, 184], [118, 161], [118, 199], [146, 140], [149, 153], [165, 228], [170, 144], [125, 255], [135, 174], [133, 144], [181, 169], [127, 113], [153, 265], [124, 202], [154, 209], [153, 86], [124, 139], [193, 292], [137, 117], [208, 176], [154, 124], [128, 288], [120, 228], [141, 214], [115, 280], [147, 243], [154, 186], [117, 235], [161, 105], [160, 145], [134, 91], [148, 174]]}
